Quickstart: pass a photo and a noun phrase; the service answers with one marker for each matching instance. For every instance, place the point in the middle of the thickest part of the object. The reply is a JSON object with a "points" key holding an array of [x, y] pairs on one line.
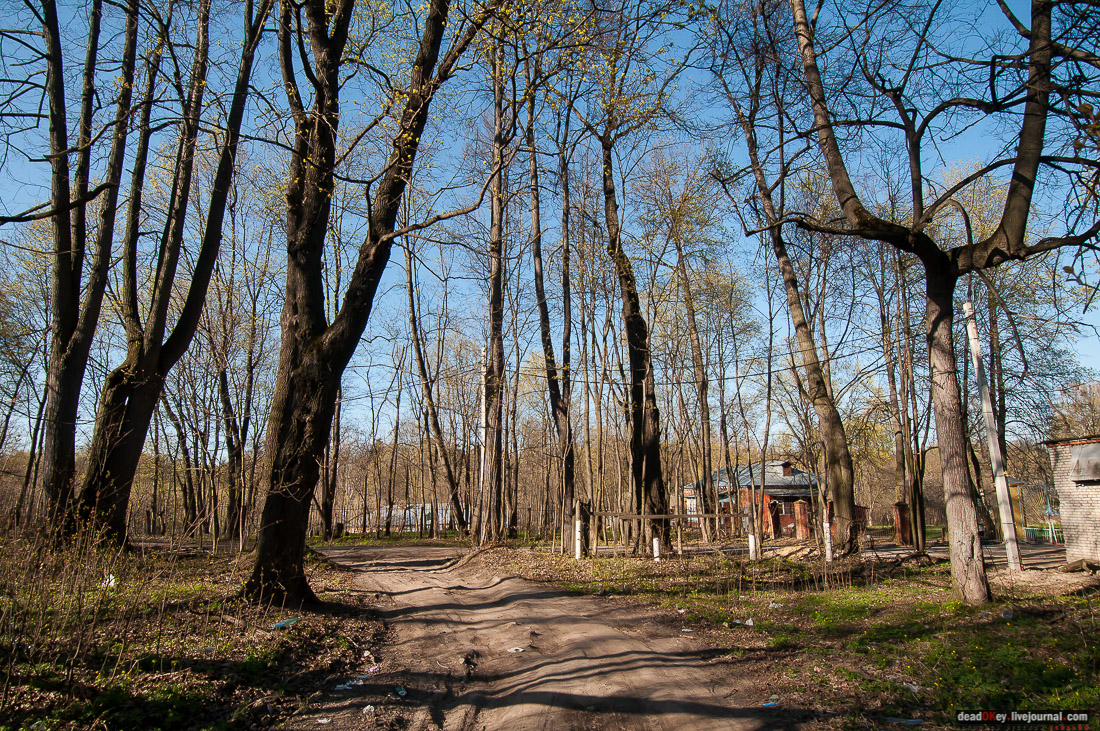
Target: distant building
{"points": [[784, 486], [413, 516], [1076, 465]]}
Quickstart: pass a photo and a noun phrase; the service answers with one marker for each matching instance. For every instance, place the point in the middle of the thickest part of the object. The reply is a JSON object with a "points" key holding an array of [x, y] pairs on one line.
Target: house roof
{"points": [[1083, 439], [777, 484]]}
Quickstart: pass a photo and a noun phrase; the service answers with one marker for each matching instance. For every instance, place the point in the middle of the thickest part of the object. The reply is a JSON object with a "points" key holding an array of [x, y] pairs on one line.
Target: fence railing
{"points": [[1043, 534]]}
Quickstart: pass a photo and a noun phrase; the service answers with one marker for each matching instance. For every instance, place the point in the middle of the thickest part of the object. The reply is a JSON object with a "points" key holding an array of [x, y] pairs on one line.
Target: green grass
{"points": [[961, 656], [167, 644], [897, 643]]}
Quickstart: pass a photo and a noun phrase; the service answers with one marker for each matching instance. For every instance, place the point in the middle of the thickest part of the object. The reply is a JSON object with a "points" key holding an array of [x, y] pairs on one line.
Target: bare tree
{"points": [[748, 47], [631, 94], [314, 353], [427, 385], [76, 298], [132, 389], [682, 213], [492, 525], [901, 89]]}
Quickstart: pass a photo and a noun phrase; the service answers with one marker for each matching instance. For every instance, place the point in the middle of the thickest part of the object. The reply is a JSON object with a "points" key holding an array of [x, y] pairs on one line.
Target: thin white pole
{"points": [[577, 540], [1008, 525]]}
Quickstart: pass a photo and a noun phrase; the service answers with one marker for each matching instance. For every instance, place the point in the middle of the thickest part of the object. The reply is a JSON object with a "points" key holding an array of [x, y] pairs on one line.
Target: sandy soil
{"points": [[470, 650]]}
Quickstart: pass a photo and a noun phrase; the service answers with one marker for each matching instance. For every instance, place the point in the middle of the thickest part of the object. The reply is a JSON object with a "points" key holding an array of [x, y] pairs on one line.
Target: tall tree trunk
{"points": [[559, 389], [645, 430], [914, 461], [838, 459], [234, 458], [298, 430], [131, 392], [758, 497], [967, 561], [187, 486], [492, 529], [895, 404], [997, 377], [393, 450], [74, 322], [704, 495], [332, 466], [727, 462], [30, 474], [588, 371], [314, 353], [511, 457]]}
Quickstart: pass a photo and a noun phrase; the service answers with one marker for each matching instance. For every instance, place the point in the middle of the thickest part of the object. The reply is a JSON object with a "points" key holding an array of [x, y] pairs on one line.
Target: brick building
{"points": [[1076, 464]]}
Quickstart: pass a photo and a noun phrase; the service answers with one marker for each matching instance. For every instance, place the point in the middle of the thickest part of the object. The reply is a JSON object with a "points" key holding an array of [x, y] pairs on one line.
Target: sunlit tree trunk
{"points": [[645, 430], [76, 302]]}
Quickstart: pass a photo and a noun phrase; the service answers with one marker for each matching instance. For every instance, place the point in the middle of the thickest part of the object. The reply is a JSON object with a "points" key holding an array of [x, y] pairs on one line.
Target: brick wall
{"points": [[1080, 505]]}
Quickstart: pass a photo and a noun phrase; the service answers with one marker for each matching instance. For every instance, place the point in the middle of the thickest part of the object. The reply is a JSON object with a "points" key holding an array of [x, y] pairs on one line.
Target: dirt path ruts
{"points": [[478, 651]]}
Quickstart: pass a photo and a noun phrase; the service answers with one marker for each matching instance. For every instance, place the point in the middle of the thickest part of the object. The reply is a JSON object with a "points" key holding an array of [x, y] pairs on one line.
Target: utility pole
{"points": [[1008, 525]]}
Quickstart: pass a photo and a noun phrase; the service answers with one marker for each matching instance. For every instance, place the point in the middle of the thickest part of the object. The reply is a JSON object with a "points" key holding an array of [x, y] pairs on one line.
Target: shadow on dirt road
{"points": [[469, 649]]}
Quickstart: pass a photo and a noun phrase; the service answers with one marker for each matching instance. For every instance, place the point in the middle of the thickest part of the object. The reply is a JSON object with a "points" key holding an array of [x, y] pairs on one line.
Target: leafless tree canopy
{"points": [[640, 247]]}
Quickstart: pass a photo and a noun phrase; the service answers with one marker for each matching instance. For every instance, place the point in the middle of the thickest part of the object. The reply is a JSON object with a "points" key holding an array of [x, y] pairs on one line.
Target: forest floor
{"points": [[424, 636], [159, 638]]}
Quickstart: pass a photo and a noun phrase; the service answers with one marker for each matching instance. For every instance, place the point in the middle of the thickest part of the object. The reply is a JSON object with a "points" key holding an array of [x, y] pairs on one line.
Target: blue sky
{"points": [[26, 184]]}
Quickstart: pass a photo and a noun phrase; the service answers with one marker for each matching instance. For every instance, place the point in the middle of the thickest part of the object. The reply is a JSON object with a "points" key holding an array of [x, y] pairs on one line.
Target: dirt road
{"points": [[471, 650]]}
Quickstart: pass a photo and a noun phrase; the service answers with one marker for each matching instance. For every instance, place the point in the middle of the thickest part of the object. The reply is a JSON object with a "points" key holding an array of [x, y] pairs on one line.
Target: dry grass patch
{"points": [[159, 639]]}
